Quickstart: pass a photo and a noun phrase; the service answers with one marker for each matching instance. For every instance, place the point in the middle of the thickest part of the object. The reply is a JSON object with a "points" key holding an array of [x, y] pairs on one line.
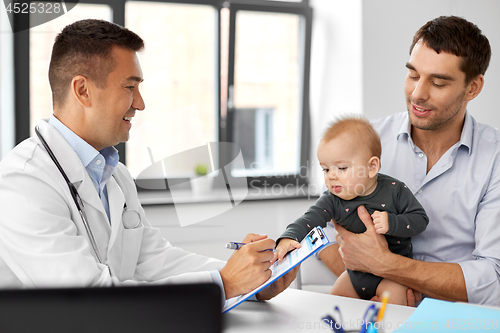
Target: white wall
{"points": [[268, 217], [336, 68], [388, 29], [359, 52]]}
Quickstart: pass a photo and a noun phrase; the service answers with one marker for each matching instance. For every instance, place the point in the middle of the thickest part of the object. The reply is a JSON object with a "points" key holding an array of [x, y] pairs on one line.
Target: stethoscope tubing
{"points": [[74, 193]]}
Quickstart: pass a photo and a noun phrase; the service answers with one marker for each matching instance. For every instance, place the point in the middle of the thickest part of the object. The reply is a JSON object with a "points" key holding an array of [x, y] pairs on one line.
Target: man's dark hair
{"points": [[455, 35], [84, 48]]}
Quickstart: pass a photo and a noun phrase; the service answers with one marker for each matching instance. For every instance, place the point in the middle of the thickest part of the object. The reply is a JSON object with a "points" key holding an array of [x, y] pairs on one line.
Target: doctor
{"points": [[46, 238]]}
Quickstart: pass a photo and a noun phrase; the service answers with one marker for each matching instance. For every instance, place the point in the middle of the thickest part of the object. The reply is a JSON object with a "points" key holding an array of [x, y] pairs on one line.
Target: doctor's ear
{"points": [[80, 90], [373, 166]]}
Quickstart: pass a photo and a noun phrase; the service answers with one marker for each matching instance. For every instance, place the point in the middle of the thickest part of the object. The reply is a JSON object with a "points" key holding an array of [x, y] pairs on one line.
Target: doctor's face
{"points": [[113, 107]]}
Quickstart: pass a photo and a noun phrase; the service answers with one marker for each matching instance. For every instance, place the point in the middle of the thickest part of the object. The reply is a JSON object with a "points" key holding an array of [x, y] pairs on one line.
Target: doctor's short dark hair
{"points": [[84, 48], [457, 36]]}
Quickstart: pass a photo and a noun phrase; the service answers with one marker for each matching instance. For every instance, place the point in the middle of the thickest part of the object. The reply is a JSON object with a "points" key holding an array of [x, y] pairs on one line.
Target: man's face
{"points": [[110, 117], [435, 88], [345, 167]]}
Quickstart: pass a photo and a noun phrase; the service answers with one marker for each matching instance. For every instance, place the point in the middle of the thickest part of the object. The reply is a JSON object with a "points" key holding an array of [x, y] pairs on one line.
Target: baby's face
{"points": [[346, 168]]}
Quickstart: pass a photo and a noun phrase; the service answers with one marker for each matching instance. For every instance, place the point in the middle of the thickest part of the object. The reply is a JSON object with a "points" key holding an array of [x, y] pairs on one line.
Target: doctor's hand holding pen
{"points": [[248, 268]]}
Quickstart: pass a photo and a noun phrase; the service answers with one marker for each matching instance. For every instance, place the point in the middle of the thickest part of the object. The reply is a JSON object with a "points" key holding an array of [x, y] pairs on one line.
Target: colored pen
{"points": [[237, 246], [335, 326], [381, 311], [385, 299]]}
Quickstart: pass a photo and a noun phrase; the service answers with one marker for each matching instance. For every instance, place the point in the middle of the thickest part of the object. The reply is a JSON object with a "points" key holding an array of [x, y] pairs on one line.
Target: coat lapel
{"points": [[116, 206], [73, 167]]}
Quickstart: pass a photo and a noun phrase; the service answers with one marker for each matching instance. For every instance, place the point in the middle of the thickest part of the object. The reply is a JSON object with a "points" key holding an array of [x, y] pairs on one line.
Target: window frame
{"points": [[303, 9], [21, 48], [22, 97]]}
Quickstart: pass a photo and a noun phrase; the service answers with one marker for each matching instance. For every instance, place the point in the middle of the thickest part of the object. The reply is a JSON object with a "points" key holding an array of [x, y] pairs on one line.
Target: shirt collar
{"points": [[467, 132], [404, 131], [465, 137], [85, 151]]}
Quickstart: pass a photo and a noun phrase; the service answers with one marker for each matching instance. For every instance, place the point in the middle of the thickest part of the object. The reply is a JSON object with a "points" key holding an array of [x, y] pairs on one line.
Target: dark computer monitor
{"points": [[141, 309]]}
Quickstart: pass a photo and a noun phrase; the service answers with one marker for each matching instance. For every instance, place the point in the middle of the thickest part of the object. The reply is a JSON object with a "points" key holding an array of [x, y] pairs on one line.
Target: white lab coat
{"points": [[43, 242]]}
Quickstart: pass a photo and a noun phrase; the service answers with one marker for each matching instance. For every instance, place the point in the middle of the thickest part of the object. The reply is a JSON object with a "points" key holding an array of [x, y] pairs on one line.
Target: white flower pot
{"points": [[202, 184]]}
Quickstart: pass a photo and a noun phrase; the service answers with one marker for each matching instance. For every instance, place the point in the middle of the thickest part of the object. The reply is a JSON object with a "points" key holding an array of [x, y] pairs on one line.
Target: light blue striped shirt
{"points": [[461, 196], [99, 164]]}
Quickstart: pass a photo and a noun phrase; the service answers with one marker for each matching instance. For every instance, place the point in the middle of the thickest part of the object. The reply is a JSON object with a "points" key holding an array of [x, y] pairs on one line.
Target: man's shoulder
{"points": [[485, 133], [393, 121], [19, 156]]}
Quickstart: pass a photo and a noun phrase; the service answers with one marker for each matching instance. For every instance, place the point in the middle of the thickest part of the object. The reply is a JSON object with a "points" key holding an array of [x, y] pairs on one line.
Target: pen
{"points": [[381, 311], [385, 299], [335, 326], [367, 325], [237, 246]]}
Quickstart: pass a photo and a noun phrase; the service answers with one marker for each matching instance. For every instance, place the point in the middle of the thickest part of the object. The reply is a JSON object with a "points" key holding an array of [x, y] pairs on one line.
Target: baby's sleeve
{"points": [[317, 215], [411, 218]]}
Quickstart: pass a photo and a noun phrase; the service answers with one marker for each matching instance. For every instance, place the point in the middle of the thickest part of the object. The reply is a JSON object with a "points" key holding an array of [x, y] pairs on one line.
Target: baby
{"points": [[349, 154]]}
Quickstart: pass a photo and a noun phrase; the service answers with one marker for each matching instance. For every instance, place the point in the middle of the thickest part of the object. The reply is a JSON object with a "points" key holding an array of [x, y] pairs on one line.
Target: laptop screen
{"points": [[164, 308]]}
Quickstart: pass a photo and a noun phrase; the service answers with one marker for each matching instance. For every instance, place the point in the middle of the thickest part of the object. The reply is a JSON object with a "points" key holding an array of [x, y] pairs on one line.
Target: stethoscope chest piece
{"points": [[131, 219]]}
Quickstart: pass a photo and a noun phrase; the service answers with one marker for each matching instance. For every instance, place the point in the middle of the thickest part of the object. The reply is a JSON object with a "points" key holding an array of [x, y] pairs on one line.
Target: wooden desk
{"points": [[297, 310]]}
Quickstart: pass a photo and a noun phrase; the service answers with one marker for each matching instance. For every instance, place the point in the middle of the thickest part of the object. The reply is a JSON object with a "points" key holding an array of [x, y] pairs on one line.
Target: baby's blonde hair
{"points": [[360, 129]]}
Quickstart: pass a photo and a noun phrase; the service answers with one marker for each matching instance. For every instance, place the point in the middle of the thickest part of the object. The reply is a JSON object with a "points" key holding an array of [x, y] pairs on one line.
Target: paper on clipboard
{"points": [[314, 241]]}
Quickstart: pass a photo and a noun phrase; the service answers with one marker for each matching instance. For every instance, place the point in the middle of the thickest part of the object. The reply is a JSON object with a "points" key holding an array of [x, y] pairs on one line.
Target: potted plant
{"points": [[202, 182]]}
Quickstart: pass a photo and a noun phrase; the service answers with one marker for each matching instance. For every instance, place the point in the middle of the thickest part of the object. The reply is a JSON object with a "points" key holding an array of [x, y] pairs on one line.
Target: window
{"points": [[215, 71], [267, 91], [41, 39], [181, 83]]}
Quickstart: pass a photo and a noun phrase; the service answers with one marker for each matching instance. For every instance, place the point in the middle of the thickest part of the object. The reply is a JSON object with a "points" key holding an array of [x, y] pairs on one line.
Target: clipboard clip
{"points": [[312, 236], [316, 234]]}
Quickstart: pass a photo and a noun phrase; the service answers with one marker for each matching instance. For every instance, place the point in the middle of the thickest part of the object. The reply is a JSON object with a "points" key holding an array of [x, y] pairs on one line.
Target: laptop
{"points": [[141, 309]]}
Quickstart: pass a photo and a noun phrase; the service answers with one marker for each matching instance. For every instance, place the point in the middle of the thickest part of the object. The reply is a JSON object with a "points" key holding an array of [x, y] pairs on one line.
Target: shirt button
{"points": [[421, 155], [98, 162], [419, 191]]}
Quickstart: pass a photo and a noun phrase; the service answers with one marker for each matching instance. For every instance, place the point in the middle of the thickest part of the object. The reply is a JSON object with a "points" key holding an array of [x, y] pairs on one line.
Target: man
{"points": [[451, 164], [45, 240]]}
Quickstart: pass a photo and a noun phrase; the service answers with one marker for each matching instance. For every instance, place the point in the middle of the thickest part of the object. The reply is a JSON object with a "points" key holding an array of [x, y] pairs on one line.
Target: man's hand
{"points": [[278, 286], [362, 252], [284, 246], [248, 267], [381, 222]]}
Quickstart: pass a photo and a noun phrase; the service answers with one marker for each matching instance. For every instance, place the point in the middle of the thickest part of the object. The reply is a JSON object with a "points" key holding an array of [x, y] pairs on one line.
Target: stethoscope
{"points": [[130, 218]]}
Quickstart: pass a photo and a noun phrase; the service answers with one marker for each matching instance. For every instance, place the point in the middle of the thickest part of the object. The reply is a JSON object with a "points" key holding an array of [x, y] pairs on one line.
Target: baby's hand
{"points": [[284, 246], [381, 222]]}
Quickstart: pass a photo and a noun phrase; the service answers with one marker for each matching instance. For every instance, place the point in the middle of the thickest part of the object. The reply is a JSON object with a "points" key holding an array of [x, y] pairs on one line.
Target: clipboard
{"points": [[315, 240]]}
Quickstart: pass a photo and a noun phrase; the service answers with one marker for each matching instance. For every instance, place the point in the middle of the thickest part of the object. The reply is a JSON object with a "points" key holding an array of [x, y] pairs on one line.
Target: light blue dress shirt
{"points": [[461, 195], [100, 166]]}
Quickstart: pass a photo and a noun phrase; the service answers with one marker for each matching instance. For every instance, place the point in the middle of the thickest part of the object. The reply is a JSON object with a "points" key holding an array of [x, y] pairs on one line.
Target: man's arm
{"points": [[368, 252], [332, 259]]}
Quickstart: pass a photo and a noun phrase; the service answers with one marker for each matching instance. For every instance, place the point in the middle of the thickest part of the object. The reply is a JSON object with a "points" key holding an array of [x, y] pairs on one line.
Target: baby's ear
{"points": [[373, 166]]}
